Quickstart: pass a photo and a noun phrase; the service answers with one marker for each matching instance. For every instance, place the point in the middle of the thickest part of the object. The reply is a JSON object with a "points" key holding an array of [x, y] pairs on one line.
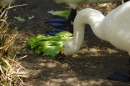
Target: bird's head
{"points": [[69, 48]]}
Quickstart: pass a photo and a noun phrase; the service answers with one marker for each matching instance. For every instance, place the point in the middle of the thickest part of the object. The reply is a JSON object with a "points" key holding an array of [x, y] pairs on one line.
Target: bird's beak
{"points": [[62, 50], [60, 55]]}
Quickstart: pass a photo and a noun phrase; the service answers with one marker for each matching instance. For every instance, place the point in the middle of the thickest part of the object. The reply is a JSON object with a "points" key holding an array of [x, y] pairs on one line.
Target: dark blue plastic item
{"points": [[54, 32], [57, 25], [58, 22], [120, 76]]}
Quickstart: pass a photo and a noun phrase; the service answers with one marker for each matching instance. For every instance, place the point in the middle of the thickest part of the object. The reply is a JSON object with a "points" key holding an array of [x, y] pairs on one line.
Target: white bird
{"points": [[74, 4], [114, 28]]}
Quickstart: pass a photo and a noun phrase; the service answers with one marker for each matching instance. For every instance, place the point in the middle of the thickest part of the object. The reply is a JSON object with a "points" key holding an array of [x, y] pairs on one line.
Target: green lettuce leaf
{"points": [[48, 45], [20, 19], [64, 13]]}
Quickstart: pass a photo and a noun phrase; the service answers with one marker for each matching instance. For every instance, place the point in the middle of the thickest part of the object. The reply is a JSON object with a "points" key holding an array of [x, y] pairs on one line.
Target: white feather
{"points": [[114, 28]]}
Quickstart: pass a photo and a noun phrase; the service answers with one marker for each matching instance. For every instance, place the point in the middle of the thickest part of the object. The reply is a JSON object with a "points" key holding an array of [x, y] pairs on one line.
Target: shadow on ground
{"points": [[91, 66]]}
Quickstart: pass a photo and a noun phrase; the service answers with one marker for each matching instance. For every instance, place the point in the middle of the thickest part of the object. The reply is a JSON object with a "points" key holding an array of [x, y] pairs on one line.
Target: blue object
{"points": [[54, 32], [120, 76], [58, 22], [57, 25]]}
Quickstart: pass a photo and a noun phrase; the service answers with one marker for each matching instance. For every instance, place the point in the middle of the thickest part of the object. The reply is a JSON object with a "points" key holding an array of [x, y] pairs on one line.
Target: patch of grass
{"points": [[10, 69]]}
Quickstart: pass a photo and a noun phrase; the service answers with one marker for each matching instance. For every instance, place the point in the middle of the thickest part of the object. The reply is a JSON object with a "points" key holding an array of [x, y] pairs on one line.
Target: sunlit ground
{"points": [[91, 66]]}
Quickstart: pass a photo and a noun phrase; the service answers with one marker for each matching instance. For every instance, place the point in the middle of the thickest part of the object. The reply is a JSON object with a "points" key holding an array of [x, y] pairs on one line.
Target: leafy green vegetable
{"points": [[48, 45], [64, 13], [20, 19]]}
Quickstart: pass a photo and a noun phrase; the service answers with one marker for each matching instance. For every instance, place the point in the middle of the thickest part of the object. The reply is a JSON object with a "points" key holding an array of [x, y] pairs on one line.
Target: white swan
{"points": [[114, 28], [74, 4]]}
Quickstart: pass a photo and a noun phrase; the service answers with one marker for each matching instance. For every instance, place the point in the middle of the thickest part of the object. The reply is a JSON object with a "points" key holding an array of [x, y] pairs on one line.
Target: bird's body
{"points": [[114, 28], [74, 4], [117, 30]]}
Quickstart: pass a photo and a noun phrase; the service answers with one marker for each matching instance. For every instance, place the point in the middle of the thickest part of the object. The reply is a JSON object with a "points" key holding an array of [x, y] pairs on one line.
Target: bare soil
{"points": [[91, 66]]}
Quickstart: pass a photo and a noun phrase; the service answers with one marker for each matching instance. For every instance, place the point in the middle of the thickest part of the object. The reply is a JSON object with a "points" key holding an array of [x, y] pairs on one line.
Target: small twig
{"points": [[16, 6], [21, 80], [1, 84], [47, 82], [9, 7], [22, 57], [16, 63]]}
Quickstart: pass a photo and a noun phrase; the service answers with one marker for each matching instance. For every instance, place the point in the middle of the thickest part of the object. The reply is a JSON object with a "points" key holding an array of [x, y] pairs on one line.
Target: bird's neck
{"points": [[79, 24]]}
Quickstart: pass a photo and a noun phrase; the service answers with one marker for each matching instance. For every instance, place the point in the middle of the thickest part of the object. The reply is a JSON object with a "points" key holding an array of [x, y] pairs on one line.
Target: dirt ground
{"points": [[91, 66]]}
